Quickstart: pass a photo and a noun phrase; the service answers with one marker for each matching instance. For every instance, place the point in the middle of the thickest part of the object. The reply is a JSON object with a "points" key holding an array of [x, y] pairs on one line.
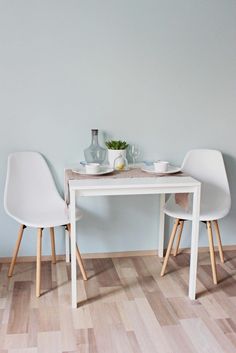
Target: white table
{"points": [[138, 186]]}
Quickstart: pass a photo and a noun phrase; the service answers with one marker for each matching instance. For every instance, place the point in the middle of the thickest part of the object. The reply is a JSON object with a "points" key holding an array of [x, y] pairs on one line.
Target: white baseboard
{"points": [[109, 254]]}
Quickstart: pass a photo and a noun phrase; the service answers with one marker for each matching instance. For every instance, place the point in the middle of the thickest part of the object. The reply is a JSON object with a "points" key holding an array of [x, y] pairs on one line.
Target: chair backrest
{"points": [[208, 167], [29, 184]]}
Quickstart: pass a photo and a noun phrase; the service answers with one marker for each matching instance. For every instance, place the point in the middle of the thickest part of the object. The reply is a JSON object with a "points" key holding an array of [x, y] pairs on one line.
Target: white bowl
{"points": [[161, 166], [92, 168]]}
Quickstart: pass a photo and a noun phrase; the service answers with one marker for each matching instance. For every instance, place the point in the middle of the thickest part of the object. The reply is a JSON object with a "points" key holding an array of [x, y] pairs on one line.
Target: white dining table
{"points": [[145, 185]]}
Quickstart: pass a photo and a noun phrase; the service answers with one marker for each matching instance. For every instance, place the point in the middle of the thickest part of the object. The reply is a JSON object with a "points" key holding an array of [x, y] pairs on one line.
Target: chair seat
{"points": [[46, 218], [208, 212]]}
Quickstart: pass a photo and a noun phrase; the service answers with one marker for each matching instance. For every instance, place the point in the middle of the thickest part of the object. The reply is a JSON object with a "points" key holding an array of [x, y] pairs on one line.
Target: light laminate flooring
{"points": [[124, 307]]}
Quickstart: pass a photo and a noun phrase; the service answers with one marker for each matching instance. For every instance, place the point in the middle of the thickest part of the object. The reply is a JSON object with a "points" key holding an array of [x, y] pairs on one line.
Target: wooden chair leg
{"points": [[181, 224], [79, 259], [172, 237], [38, 265], [17, 246], [212, 252], [53, 245], [219, 241]]}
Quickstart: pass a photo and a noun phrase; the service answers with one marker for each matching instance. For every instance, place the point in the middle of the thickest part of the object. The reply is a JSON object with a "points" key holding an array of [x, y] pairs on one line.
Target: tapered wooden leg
{"points": [[219, 241], [17, 246], [38, 265], [181, 224], [53, 245], [172, 237], [79, 259], [212, 252]]}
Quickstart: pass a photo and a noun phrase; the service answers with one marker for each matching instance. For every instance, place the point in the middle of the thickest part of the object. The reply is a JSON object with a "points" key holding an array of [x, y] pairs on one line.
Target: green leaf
{"points": [[116, 145]]}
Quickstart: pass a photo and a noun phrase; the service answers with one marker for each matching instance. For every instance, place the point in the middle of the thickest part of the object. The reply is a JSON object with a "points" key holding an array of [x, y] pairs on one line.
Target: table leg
{"points": [[73, 250], [194, 243], [161, 225], [67, 246], [67, 201]]}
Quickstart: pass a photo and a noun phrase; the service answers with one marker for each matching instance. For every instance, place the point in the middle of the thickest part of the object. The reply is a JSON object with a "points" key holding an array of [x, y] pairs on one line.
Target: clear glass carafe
{"points": [[95, 153]]}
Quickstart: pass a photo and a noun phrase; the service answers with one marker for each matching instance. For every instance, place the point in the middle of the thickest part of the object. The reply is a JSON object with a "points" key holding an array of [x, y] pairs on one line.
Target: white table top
{"points": [[132, 182], [144, 186], [104, 183]]}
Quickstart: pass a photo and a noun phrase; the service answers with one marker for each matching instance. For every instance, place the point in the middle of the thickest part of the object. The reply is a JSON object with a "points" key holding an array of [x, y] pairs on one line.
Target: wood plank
{"points": [[146, 327], [213, 307], [48, 319], [203, 341], [19, 314], [86, 341], [46, 276], [106, 273], [133, 342], [68, 333], [33, 327], [177, 339], [162, 309], [183, 307], [102, 330], [49, 342], [22, 350], [123, 308], [226, 325], [16, 341], [232, 338]]}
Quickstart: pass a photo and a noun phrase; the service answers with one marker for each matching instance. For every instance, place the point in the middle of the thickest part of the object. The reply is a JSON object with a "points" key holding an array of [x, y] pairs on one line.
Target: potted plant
{"points": [[116, 148]]}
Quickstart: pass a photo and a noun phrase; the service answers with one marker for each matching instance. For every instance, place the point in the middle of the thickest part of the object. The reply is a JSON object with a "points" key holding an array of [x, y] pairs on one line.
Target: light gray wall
{"points": [[161, 74]]}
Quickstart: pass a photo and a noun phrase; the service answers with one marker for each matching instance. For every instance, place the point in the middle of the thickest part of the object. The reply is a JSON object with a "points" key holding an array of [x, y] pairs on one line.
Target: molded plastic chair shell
{"points": [[31, 196], [208, 167]]}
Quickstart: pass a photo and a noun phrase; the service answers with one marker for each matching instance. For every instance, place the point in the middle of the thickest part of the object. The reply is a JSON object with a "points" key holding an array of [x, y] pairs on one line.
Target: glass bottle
{"points": [[95, 153]]}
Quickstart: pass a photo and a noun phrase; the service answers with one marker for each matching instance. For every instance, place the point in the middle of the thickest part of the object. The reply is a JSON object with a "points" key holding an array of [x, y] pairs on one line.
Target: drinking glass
{"points": [[135, 153]]}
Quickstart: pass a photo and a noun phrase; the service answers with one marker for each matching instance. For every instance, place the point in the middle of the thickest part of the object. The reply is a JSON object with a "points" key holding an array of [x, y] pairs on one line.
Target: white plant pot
{"points": [[113, 154]]}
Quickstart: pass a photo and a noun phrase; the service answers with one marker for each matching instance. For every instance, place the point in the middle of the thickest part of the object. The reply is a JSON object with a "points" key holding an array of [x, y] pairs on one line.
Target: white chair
{"points": [[208, 167], [32, 199]]}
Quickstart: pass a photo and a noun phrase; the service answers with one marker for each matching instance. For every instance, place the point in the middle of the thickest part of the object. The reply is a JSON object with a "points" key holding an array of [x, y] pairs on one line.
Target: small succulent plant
{"points": [[116, 145]]}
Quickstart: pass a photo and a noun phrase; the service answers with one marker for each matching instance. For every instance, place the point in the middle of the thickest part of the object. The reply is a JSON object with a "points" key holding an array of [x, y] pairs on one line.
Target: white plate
{"points": [[103, 170], [171, 170]]}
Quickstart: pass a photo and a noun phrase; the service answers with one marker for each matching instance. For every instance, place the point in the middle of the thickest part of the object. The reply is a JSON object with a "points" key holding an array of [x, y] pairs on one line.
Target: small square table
{"points": [[134, 182]]}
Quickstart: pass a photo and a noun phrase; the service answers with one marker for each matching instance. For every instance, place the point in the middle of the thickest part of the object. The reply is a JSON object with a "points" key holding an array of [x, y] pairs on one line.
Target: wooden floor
{"points": [[124, 307]]}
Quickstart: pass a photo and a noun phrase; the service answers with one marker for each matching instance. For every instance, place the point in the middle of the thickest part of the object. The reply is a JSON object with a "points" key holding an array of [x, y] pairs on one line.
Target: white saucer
{"points": [[103, 170], [171, 170]]}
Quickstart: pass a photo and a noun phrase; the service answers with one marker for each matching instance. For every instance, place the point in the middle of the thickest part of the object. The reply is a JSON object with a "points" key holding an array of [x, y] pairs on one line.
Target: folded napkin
{"points": [[182, 200]]}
